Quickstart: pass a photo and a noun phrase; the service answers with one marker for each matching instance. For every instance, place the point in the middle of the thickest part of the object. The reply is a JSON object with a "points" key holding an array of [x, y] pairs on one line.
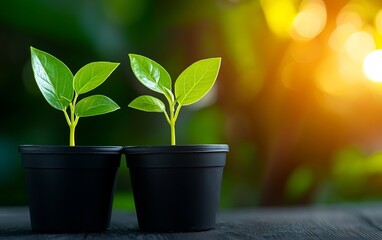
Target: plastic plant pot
{"points": [[176, 188], [70, 189]]}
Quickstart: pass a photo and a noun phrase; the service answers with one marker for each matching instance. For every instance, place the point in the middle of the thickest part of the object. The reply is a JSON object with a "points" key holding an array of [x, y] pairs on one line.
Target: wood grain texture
{"points": [[324, 222]]}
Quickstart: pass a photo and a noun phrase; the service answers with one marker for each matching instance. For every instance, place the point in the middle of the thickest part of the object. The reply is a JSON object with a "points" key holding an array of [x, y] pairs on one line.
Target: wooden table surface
{"points": [[319, 222]]}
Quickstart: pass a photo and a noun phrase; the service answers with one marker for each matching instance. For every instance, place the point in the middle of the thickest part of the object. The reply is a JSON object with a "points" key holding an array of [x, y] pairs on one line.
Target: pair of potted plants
{"points": [[70, 188]]}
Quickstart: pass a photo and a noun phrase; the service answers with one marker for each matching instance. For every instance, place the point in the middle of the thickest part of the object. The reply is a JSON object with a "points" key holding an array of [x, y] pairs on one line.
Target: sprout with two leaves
{"points": [[61, 89], [191, 85]]}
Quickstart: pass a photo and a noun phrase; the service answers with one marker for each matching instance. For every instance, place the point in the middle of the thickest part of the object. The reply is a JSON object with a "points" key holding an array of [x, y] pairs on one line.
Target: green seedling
{"points": [[191, 85], [61, 89]]}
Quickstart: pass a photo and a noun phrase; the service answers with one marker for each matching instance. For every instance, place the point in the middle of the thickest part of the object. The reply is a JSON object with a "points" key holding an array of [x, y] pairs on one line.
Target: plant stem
{"points": [[72, 134], [172, 123], [71, 128], [73, 122], [174, 112], [172, 126]]}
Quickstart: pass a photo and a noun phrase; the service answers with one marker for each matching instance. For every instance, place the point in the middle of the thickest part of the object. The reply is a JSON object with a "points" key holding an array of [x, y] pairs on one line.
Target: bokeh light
{"points": [[372, 66], [378, 21], [359, 45], [279, 15], [310, 20], [340, 35]]}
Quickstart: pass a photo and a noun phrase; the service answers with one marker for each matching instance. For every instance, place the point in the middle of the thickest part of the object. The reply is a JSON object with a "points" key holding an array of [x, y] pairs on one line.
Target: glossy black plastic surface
{"points": [[70, 189], [178, 190]]}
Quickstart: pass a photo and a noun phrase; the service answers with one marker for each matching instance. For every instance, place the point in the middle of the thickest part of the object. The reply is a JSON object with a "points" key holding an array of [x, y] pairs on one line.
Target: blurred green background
{"points": [[298, 98]]}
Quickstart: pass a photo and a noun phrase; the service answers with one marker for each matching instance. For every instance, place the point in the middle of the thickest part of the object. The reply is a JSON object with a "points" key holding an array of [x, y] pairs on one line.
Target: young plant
{"points": [[61, 89], [191, 85]]}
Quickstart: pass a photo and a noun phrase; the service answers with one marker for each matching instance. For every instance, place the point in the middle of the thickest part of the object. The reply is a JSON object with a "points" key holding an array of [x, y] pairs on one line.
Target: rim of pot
{"points": [[205, 148], [69, 149]]}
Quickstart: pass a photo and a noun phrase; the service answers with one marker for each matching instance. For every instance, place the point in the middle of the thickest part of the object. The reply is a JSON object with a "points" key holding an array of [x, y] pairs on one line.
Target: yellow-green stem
{"points": [[173, 117], [73, 122], [174, 112], [172, 124], [72, 134]]}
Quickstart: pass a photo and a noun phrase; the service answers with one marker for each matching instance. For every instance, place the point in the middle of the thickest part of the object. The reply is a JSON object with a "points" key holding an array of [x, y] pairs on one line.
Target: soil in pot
{"points": [[70, 189], [176, 188]]}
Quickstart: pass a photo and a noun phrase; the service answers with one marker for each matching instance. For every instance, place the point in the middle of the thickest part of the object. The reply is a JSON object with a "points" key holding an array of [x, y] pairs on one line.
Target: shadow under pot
{"points": [[70, 189], [176, 188]]}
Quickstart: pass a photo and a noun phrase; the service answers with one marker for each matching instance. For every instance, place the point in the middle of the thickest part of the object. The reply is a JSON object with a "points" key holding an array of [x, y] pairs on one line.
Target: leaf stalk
{"points": [[73, 121]]}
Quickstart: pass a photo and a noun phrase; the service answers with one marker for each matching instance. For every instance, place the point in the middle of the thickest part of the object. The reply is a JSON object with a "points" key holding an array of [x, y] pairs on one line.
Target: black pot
{"points": [[176, 188], [70, 189]]}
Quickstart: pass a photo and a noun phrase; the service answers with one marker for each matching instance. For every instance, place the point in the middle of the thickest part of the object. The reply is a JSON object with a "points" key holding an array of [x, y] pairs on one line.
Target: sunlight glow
{"points": [[359, 45], [327, 79], [378, 22], [349, 15], [372, 66], [305, 52], [279, 15], [339, 36], [310, 21], [339, 75]]}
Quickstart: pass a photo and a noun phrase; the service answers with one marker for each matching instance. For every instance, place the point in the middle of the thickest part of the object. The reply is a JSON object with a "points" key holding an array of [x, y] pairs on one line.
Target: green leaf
{"points": [[92, 75], [196, 81], [151, 74], [148, 104], [95, 105], [53, 77]]}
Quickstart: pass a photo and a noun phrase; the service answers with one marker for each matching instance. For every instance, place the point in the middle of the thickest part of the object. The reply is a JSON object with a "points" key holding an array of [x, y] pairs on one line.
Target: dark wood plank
{"points": [[299, 223], [371, 213], [326, 222]]}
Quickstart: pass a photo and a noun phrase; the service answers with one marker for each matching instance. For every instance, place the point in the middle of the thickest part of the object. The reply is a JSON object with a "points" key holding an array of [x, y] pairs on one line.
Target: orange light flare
{"points": [[344, 63], [350, 74], [372, 66], [352, 58]]}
